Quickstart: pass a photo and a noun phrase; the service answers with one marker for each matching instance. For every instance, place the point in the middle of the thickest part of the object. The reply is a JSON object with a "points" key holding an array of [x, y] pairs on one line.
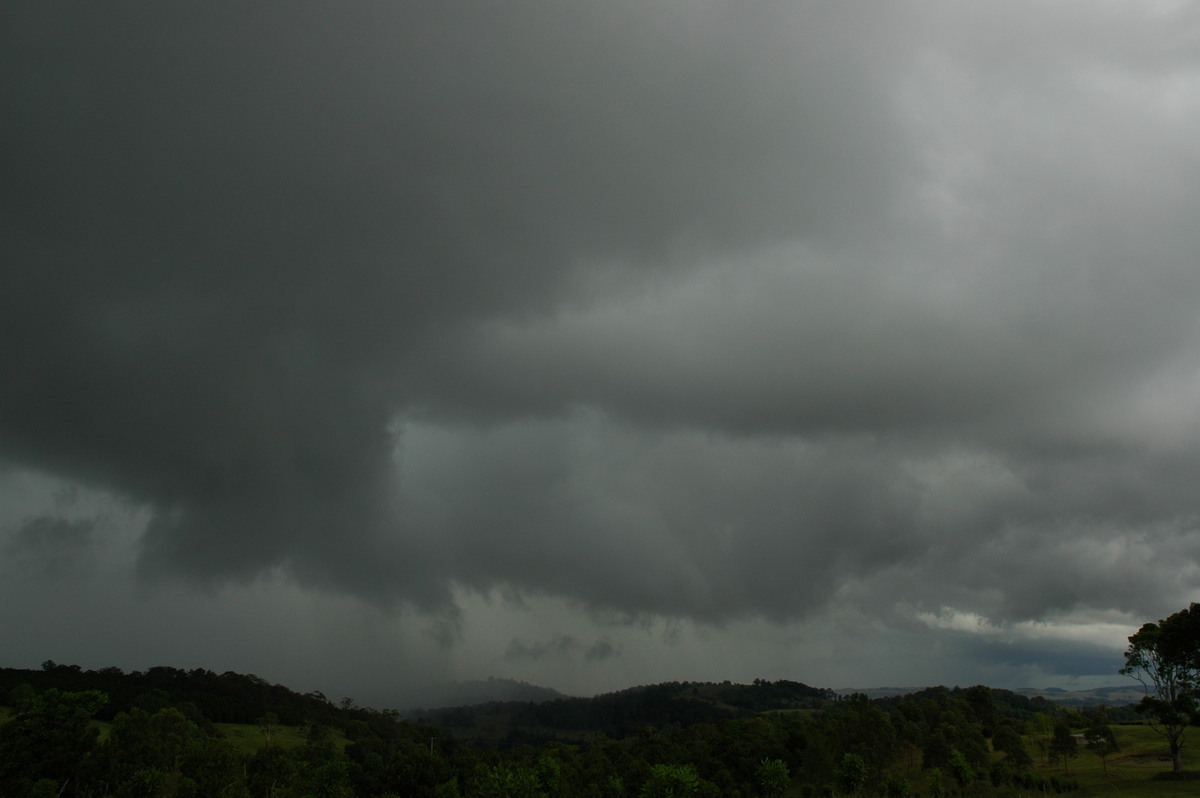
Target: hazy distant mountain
{"points": [[1109, 696], [878, 692], [1113, 696], [623, 713], [467, 693]]}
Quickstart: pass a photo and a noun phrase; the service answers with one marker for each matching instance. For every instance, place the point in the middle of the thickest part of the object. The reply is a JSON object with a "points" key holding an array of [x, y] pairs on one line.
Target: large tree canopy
{"points": [[1165, 658]]}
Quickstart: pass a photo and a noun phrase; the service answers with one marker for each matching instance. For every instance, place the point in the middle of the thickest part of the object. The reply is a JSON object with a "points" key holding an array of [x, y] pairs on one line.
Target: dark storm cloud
{"points": [[678, 522], [243, 188], [1049, 656], [601, 650], [558, 646], [238, 237], [50, 546], [703, 309]]}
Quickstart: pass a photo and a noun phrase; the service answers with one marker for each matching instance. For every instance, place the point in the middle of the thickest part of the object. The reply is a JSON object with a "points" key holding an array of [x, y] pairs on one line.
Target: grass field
{"points": [[1143, 755]]}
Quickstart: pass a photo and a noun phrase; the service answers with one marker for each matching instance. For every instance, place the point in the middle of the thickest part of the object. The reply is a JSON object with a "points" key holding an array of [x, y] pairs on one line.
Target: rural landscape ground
{"points": [[171, 733]]}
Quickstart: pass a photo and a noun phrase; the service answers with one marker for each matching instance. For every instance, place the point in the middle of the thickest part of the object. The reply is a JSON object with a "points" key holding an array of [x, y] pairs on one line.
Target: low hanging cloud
{"points": [[690, 309], [50, 546], [558, 646]]}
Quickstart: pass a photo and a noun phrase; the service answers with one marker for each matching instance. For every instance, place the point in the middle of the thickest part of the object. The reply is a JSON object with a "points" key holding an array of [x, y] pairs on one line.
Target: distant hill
{"points": [[878, 692], [505, 711], [1116, 696], [467, 693], [623, 713], [227, 730]]}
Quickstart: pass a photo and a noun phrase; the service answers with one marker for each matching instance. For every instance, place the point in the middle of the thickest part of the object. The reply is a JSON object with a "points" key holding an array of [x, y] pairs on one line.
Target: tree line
{"points": [[626, 712], [221, 698], [161, 737], [939, 742]]}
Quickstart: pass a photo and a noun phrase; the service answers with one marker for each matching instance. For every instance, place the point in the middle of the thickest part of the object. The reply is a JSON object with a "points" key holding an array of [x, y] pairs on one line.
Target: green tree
{"points": [[136, 746], [216, 767], [961, 769], [551, 779], [167, 754], [861, 727], [1100, 739], [1063, 746], [1041, 731], [1165, 658], [852, 774], [897, 787], [506, 780], [999, 774], [983, 705], [772, 777], [268, 724], [1008, 741], [670, 781], [935, 782], [47, 740], [937, 751], [447, 789], [269, 771]]}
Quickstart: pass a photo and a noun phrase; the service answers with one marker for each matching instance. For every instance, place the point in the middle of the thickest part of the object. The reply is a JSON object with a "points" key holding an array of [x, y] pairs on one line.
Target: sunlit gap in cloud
{"points": [[1106, 628]]}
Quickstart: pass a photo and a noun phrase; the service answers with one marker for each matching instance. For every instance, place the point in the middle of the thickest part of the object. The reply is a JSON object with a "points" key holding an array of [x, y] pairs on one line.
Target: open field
{"points": [[248, 738], [1130, 773]]}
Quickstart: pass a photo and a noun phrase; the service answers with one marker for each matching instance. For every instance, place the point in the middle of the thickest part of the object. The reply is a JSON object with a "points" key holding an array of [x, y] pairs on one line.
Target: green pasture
{"points": [[248, 738], [1131, 772]]}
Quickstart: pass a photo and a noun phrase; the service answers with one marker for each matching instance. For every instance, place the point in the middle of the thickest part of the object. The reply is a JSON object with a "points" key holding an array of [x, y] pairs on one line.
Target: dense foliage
{"points": [[1165, 657], [220, 698], [627, 712], [765, 739]]}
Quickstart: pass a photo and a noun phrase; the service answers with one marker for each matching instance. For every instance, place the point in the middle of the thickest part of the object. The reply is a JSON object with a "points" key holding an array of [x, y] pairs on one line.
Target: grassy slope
{"points": [[248, 738], [1143, 755]]}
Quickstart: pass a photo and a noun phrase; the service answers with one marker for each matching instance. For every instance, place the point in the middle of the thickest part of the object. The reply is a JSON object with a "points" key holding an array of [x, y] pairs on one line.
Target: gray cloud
{"points": [[557, 646], [669, 309], [241, 244], [560, 647], [1056, 656], [52, 546], [601, 650]]}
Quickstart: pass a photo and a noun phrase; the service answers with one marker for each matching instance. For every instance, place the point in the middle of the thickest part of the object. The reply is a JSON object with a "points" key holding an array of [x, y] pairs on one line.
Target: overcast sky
{"points": [[361, 345]]}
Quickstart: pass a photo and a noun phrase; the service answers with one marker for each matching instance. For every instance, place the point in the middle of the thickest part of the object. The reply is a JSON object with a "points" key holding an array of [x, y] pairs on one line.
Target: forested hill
{"points": [[1004, 703], [627, 712], [464, 693], [161, 737], [244, 698], [220, 698]]}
